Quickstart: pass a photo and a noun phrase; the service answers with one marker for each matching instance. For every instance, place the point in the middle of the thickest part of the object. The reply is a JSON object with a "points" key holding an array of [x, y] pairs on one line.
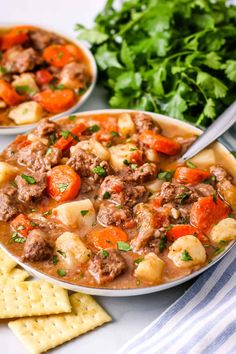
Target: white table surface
{"points": [[130, 315]]}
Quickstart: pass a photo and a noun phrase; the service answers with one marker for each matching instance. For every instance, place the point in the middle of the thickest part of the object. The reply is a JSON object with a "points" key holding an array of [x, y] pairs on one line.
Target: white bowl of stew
{"points": [[115, 215], [43, 73]]}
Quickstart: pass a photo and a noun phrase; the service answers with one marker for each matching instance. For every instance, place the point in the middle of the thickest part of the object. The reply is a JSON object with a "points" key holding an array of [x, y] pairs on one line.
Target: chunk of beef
{"points": [[204, 190], [171, 192], [84, 163], [37, 247], [145, 219], [141, 174], [8, 205], [46, 127], [41, 39], [145, 122], [111, 214], [106, 268], [185, 142], [30, 192], [38, 158], [121, 192], [19, 60], [219, 173], [72, 75]]}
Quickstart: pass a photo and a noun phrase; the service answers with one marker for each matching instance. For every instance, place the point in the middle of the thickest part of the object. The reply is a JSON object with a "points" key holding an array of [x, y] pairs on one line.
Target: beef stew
{"points": [[100, 201]]}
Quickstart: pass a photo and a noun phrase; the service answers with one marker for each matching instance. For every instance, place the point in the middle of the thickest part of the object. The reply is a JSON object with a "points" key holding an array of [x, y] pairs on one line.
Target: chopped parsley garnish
{"points": [[28, 179], [134, 166], [126, 162], [133, 149], [55, 259], [60, 87], [48, 212], [123, 246], [61, 272], [52, 138], [93, 129], [49, 151], [100, 171], [119, 206], [210, 180], [219, 250], [63, 187], [32, 223], [165, 175], [186, 256], [3, 70], [65, 133], [233, 153], [113, 134], [84, 212], [223, 242], [183, 196], [21, 227], [17, 239], [23, 89], [72, 118], [63, 254], [138, 260], [214, 197], [190, 164], [60, 55], [162, 244], [104, 253], [106, 195]]}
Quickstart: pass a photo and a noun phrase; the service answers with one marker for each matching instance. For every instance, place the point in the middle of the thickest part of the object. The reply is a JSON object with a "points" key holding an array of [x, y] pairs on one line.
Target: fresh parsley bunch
{"points": [[176, 57]]}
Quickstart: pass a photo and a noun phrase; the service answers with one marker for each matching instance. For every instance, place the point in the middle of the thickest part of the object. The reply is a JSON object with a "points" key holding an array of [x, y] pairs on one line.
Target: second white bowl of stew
{"points": [[98, 203], [42, 74]]}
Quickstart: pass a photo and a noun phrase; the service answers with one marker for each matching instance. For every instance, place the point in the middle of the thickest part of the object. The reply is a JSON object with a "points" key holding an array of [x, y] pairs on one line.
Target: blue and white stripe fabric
{"points": [[202, 321]]}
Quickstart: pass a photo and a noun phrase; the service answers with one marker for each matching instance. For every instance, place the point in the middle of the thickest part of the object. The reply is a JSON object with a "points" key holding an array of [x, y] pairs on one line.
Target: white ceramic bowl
{"points": [[18, 129], [228, 158]]}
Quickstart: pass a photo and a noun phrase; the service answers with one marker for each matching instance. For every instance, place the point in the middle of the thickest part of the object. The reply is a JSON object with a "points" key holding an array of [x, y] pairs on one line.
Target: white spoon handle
{"points": [[216, 129]]}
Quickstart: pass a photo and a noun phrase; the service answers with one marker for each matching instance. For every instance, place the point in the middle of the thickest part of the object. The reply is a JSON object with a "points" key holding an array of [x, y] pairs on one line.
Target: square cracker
{"points": [[39, 334], [15, 274], [6, 263], [31, 298]]}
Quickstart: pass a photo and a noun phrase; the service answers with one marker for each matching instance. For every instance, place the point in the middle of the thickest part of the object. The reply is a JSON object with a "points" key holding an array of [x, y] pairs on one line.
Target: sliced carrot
{"points": [[156, 202], [188, 175], [207, 212], [178, 231], [63, 183], [9, 94], [56, 101], [57, 55], [43, 77], [64, 143], [13, 37], [160, 143], [107, 237], [22, 225]]}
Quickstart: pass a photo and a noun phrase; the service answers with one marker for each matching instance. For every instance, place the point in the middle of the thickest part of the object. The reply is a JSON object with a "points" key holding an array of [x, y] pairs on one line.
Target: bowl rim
{"points": [[17, 129], [133, 291]]}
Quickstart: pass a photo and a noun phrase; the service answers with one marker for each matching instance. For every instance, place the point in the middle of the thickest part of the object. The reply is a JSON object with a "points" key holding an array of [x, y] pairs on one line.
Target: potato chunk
{"points": [[26, 81], [94, 147], [187, 252], [71, 250], [204, 159], [126, 124], [225, 230], [7, 171], [26, 113], [150, 269], [120, 153], [76, 214], [228, 192]]}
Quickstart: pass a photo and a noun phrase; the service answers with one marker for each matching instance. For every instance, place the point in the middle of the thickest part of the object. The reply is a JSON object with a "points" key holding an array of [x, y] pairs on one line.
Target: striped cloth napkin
{"points": [[203, 320]]}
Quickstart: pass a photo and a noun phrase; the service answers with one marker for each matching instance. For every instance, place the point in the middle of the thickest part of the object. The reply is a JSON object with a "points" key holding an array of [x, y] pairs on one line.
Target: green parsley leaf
{"points": [[126, 162], [61, 272], [114, 134], [106, 195], [3, 70], [100, 171], [17, 238], [190, 164], [63, 254], [165, 175], [186, 256], [138, 260], [32, 223], [84, 212], [162, 243], [104, 253], [48, 212], [183, 197], [60, 87], [21, 227], [219, 250], [55, 259], [134, 166], [49, 151], [52, 138], [63, 187], [28, 179], [72, 118], [94, 128], [123, 246], [65, 134]]}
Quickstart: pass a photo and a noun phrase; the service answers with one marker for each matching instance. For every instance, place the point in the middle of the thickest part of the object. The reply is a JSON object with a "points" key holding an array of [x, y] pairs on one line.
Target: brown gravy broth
{"points": [[80, 85], [80, 274]]}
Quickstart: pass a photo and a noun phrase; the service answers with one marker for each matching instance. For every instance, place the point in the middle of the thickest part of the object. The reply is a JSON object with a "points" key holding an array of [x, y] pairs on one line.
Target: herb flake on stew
{"points": [[94, 128], [100, 171], [49, 151], [72, 118], [28, 179], [21, 227], [52, 138], [190, 164], [61, 272], [104, 253], [186, 256], [48, 212], [106, 195], [114, 134], [84, 212], [63, 187], [32, 223], [162, 243], [65, 133], [138, 260], [60, 87], [183, 196], [126, 162], [123, 246], [55, 259], [165, 175], [219, 250], [17, 239], [63, 254], [134, 166]]}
